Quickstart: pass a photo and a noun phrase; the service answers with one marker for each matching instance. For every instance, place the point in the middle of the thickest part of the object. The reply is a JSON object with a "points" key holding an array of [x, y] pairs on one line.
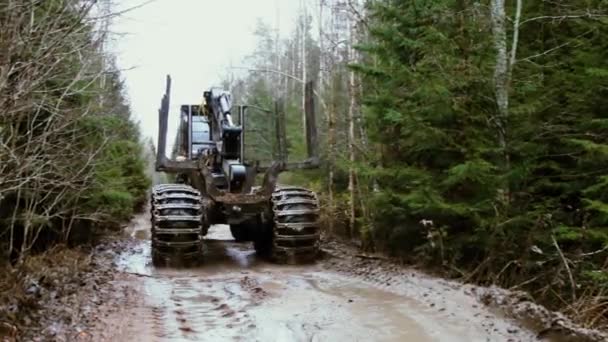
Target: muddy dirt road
{"points": [[237, 297]]}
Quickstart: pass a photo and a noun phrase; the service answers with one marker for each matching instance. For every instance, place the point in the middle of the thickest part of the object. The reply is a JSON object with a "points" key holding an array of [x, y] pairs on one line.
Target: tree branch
{"points": [[588, 15]]}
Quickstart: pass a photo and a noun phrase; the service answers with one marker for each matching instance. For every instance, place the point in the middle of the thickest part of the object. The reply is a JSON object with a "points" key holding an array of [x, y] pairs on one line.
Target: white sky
{"points": [[193, 40]]}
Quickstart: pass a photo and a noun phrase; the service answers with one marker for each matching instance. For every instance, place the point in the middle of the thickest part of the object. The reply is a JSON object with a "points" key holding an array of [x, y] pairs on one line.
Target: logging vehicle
{"points": [[214, 183]]}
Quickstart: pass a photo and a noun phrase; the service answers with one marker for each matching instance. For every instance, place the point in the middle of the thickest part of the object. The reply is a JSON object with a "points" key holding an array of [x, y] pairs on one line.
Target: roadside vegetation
{"points": [[469, 136], [71, 162], [72, 167]]}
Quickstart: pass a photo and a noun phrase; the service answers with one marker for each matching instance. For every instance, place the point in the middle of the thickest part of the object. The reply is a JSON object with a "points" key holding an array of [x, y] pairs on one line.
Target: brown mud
{"points": [[236, 296], [59, 295], [485, 304]]}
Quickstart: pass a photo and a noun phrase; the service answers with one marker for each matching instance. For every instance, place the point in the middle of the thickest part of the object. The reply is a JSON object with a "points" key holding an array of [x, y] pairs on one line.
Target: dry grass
{"points": [[590, 309]]}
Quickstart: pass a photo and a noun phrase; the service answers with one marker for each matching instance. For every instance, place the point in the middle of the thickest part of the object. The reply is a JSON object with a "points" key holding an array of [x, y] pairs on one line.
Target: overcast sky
{"points": [[193, 40]]}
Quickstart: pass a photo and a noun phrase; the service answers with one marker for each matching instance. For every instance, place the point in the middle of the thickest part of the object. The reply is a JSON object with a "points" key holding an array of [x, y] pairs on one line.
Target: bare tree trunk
{"points": [[294, 67], [331, 144], [501, 78], [515, 36], [277, 51], [351, 134], [303, 47], [321, 47], [503, 72], [331, 135]]}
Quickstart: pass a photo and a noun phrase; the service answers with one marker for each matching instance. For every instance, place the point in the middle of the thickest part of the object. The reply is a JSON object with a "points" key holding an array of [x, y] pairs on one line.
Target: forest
{"points": [[466, 136]]}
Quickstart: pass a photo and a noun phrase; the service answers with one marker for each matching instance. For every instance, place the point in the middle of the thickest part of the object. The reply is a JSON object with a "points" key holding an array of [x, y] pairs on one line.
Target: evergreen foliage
{"points": [[429, 105], [441, 174]]}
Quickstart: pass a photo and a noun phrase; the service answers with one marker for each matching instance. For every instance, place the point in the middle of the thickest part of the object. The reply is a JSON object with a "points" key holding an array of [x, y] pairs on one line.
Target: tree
{"points": [[69, 155], [492, 136]]}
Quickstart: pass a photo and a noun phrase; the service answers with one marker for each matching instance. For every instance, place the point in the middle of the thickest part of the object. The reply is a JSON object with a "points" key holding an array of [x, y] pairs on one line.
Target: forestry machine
{"points": [[214, 184]]}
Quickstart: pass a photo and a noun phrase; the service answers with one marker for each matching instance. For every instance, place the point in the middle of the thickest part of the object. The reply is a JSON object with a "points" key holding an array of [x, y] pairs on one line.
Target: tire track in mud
{"points": [[195, 308], [234, 296]]}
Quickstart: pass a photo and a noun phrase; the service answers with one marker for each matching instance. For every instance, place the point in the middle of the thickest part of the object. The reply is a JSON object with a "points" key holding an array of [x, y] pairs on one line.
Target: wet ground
{"points": [[111, 292], [235, 296]]}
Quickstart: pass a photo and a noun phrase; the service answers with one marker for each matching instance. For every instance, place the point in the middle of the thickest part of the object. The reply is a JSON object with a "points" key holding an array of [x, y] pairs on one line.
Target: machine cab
{"points": [[196, 132]]}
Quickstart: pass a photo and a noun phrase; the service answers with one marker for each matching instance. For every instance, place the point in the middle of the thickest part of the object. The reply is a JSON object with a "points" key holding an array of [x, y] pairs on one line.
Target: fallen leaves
{"points": [[54, 296]]}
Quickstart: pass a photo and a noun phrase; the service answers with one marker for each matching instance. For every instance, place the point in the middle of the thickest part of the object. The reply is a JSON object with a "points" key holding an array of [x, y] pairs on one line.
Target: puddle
{"points": [[234, 296]]}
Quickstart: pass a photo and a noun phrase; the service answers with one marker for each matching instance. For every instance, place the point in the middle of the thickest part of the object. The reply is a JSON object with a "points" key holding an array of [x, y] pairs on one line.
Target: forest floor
{"points": [[113, 293]]}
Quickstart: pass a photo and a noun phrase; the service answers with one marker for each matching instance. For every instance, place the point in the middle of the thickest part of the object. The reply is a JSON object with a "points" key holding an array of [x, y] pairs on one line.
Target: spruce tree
{"points": [[425, 62]]}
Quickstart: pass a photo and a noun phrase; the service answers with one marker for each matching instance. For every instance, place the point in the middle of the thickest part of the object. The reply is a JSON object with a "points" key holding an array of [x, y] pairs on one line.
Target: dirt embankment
{"points": [[516, 305], [58, 296]]}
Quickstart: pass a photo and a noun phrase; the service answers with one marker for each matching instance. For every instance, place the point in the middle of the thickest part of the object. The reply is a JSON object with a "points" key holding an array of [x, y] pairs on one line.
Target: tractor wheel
{"points": [[177, 223], [295, 233]]}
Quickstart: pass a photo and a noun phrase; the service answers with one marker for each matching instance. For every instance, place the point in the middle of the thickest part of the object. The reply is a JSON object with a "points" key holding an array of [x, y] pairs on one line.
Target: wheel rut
{"points": [[194, 308], [235, 296]]}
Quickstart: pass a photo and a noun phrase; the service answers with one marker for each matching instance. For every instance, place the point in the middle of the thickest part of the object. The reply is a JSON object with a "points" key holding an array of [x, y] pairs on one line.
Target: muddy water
{"points": [[237, 297]]}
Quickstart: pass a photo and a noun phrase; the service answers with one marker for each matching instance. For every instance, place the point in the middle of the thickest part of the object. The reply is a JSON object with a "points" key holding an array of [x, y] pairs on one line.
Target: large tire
{"points": [[177, 223], [295, 231]]}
